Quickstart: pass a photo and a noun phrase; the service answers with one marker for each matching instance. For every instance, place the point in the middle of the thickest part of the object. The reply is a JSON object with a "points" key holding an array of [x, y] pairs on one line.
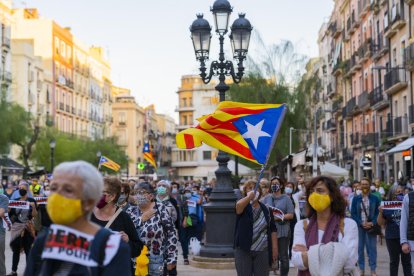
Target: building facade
{"points": [[78, 77], [195, 100], [366, 92]]}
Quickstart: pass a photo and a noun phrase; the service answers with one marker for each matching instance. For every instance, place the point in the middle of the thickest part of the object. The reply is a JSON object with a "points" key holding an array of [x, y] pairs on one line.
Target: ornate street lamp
{"points": [[220, 211], [52, 145]]}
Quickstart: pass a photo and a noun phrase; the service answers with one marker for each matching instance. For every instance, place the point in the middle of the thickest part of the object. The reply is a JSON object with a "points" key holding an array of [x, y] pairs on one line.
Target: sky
{"points": [[148, 42]]}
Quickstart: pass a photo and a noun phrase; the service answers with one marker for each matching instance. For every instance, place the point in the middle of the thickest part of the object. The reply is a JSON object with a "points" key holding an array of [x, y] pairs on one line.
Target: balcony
{"points": [[67, 108], [5, 43], [395, 80], [187, 107], [368, 139], [409, 58], [73, 111], [337, 105], [400, 127], [350, 107], [363, 101], [355, 22], [380, 46], [354, 139], [365, 51], [348, 25], [397, 20], [336, 29], [62, 106], [363, 7], [354, 63], [378, 100], [389, 129], [7, 77], [331, 89], [316, 97]]}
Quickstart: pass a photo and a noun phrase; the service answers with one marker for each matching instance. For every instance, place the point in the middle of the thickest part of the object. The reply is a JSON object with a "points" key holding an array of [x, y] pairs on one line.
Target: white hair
{"points": [[164, 182], [91, 178]]}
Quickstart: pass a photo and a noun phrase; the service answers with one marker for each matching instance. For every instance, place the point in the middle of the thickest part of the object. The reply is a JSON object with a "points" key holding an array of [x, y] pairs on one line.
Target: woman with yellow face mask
{"points": [[326, 224], [74, 245]]}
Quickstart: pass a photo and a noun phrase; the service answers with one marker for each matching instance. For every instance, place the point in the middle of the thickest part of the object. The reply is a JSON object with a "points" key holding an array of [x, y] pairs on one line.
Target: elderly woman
{"points": [[282, 202], [155, 229], [326, 224], [90, 250], [107, 214], [163, 195], [255, 238], [22, 229]]}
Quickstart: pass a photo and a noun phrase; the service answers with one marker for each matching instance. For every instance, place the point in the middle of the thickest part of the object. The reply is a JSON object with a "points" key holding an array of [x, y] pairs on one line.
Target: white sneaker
{"points": [[291, 264]]}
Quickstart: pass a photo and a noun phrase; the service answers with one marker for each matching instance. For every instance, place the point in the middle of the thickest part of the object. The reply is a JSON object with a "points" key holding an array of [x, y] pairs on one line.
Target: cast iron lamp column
{"points": [[220, 212], [52, 145]]}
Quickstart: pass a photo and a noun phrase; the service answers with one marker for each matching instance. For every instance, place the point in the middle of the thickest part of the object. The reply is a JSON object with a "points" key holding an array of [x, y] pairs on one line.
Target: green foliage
{"points": [[71, 148]]}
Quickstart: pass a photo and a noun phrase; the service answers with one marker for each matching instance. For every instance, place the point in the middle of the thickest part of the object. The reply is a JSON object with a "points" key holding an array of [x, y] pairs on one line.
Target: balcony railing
{"points": [[397, 13], [347, 154], [400, 125], [62, 106], [409, 57], [67, 108], [368, 139], [394, 80], [330, 124], [336, 105], [389, 129], [363, 99], [350, 106]]}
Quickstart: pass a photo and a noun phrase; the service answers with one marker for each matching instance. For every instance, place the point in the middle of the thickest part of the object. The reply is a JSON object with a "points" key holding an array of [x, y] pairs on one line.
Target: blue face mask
{"points": [[161, 190], [288, 190], [187, 195], [399, 197], [174, 191], [275, 188]]}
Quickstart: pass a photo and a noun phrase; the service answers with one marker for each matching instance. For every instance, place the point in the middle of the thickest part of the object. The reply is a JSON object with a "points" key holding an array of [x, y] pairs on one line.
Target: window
{"points": [[206, 155], [122, 118], [57, 43]]}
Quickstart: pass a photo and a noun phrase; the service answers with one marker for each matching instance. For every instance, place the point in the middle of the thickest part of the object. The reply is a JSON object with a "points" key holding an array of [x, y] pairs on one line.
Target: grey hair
{"points": [[91, 178], [163, 182]]}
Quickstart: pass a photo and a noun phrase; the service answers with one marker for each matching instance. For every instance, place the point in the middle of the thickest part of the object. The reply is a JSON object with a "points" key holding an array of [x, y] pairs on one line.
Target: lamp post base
{"points": [[220, 215]]}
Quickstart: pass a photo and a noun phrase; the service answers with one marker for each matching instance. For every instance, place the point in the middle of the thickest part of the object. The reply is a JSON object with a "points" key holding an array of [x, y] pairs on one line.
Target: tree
{"points": [[21, 130], [70, 148], [273, 77]]}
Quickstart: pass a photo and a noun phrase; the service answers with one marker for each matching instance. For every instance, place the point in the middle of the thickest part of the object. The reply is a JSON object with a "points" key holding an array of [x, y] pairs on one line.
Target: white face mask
{"points": [[373, 188], [358, 192], [47, 193]]}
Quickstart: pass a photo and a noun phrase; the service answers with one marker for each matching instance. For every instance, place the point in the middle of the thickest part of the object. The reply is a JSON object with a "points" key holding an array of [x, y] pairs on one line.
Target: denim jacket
{"points": [[356, 209]]}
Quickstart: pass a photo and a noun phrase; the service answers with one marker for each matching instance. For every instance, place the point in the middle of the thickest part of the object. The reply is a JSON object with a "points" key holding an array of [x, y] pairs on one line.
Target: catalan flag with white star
{"points": [[106, 162], [148, 155], [242, 129]]}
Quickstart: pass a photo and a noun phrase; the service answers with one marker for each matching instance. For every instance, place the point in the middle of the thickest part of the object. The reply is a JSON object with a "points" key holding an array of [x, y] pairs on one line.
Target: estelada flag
{"points": [[106, 162], [148, 155], [246, 130]]}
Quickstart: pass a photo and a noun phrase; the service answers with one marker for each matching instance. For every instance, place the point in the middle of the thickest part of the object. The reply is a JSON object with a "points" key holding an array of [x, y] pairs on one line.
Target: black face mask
{"points": [[22, 192]]}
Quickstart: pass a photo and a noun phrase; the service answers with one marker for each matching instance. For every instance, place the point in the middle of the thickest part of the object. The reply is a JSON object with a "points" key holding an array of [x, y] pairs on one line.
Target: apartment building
{"points": [[367, 86], [128, 127], [78, 76], [5, 63]]}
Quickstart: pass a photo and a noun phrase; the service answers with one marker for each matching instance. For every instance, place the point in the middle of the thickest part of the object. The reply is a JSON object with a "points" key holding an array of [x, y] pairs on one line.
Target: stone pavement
{"points": [[188, 270]]}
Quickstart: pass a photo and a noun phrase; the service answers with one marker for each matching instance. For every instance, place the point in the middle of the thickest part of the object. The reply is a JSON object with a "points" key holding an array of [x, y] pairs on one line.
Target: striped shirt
{"points": [[259, 242]]}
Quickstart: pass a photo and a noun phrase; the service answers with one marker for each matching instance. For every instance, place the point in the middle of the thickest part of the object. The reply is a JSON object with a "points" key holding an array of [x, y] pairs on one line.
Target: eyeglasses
{"points": [[141, 192]]}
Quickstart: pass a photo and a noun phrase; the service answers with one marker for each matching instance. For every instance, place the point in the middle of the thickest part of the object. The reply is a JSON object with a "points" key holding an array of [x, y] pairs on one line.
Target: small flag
{"points": [[148, 155], [246, 130], [106, 162]]}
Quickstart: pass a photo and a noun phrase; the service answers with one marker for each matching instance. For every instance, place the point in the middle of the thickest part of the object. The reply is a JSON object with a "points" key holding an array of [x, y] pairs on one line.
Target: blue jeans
{"points": [[370, 242], [156, 265]]}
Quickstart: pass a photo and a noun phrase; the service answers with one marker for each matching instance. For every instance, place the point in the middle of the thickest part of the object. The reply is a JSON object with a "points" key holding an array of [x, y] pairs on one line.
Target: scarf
{"points": [[311, 235], [162, 199]]}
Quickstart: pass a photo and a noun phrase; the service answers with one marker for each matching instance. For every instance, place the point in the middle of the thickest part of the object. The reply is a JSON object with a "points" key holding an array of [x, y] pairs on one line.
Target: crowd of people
{"points": [[134, 227], [326, 226]]}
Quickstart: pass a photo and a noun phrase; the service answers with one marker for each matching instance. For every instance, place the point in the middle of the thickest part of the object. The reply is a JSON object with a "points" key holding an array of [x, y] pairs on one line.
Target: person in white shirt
{"points": [[327, 223]]}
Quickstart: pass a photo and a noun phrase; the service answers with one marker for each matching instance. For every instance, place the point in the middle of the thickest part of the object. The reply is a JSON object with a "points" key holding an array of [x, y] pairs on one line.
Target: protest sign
{"points": [[19, 204], [41, 200], [69, 245], [391, 205]]}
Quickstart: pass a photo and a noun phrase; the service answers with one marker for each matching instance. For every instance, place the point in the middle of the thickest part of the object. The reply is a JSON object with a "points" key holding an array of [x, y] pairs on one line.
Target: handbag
{"points": [[375, 229]]}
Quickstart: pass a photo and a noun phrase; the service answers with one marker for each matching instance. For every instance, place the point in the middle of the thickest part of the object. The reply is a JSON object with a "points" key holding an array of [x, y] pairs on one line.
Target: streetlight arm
{"points": [[203, 68], [230, 70]]}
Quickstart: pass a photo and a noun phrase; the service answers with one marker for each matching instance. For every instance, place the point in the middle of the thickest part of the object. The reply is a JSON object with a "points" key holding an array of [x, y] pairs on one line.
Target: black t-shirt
{"points": [[124, 223]]}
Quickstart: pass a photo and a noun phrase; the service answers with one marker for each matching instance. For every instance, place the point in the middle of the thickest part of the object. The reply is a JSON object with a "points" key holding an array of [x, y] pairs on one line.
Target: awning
{"points": [[7, 163], [407, 144], [332, 170], [299, 159]]}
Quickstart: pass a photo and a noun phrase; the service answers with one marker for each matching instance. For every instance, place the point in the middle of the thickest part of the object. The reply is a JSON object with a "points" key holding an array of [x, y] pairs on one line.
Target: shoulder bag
{"points": [[376, 228]]}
